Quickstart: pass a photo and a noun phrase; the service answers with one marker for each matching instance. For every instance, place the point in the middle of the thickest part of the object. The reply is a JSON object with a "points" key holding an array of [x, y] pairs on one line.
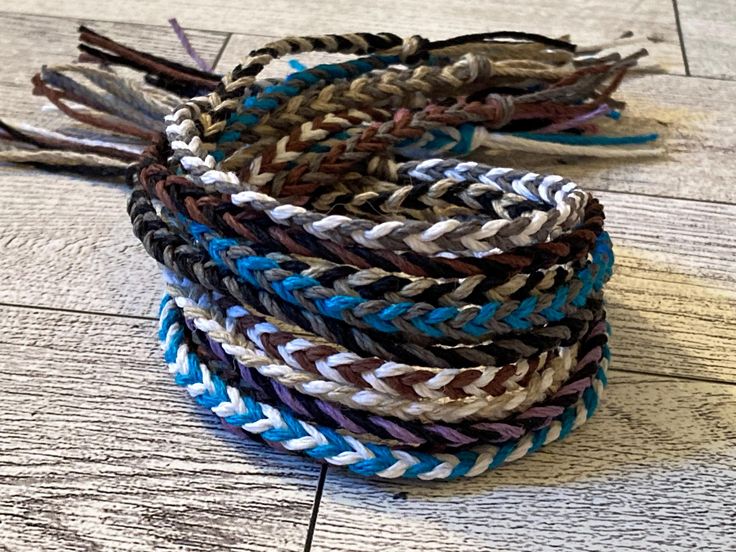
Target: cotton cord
{"points": [[342, 281]]}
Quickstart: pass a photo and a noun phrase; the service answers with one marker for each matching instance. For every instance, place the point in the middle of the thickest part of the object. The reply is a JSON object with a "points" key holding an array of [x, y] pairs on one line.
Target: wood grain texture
{"points": [[32, 41], [708, 33], [34, 200], [672, 300], [653, 470], [592, 21], [68, 244], [101, 451]]}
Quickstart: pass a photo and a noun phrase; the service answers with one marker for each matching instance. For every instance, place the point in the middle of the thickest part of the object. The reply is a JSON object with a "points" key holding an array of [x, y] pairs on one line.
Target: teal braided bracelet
{"points": [[277, 426]]}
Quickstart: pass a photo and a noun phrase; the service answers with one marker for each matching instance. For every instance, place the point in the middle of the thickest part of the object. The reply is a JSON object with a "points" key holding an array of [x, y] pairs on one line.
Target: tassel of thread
{"points": [[130, 113], [549, 95]]}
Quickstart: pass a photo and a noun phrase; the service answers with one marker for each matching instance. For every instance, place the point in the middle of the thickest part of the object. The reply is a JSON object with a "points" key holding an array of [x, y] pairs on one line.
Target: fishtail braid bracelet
{"points": [[342, 281]]}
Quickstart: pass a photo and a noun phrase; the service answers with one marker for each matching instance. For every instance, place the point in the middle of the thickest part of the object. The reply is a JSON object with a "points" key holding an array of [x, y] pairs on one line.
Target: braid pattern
{"points": [[339, 285], [280, 427]]}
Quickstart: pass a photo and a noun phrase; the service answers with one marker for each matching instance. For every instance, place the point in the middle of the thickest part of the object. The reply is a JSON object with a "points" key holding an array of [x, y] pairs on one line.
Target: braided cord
{"points": [[241, 329], [410, 435], [382, 379], [453, 311], [474, 407], [465, 322], [277, 426]]}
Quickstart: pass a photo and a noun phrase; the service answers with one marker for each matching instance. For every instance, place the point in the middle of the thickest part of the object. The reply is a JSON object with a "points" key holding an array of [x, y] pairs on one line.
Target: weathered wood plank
{"points": [[90, 461], [655, 331], [708, 33], [591, 22], [652, 471], [32, 41], [672, 301], [101, 451], [100, 217]]}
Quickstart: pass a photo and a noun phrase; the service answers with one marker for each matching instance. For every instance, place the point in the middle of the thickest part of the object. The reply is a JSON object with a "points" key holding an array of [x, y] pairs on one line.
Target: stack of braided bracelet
{"points": [[340, 285]]}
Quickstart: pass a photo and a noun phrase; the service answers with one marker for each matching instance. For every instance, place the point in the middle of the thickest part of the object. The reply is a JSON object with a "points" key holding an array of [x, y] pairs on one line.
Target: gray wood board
{"points": [[100, 450], [708, 33], [652, 21], [653, 470]]}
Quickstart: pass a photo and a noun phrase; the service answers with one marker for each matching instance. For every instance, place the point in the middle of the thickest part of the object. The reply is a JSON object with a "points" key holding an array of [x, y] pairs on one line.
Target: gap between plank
{"points": [[706, 379], [77, 311], [222, 50], [318, 495], [315, 508], [323, 473], [681, 38], [705, 77]]}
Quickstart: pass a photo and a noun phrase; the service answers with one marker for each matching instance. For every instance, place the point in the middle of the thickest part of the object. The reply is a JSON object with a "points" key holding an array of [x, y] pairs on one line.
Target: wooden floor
{"points": [[100, 451]]}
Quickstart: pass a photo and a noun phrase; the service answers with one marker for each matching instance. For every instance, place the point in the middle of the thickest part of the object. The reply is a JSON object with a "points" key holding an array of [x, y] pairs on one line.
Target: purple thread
{"points": [[599, 329], [400, 433], [594, 355], [182, 36], [246, 379], [337, 415], [602, 109], [216, 348], [575, 388], [542, 412], [453, 437], [286, 397]]}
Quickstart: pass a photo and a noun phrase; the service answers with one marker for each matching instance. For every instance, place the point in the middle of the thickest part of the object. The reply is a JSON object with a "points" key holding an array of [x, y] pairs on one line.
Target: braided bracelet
{"points": [[338, 283], [420, 436], [278, 426], [230, 232]]}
